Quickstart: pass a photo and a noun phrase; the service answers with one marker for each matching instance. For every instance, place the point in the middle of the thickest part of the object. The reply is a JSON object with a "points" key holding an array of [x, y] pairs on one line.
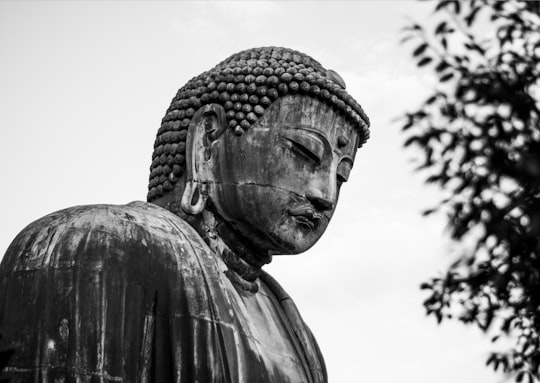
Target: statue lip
{"points": [[306, 215]]}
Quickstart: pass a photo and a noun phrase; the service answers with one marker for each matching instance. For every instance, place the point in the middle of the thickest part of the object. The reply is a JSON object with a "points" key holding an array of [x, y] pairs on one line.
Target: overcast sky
{"points": [[84, 85]]}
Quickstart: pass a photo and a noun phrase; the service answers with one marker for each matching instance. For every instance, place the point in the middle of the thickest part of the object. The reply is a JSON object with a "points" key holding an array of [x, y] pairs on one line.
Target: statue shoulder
{"points": [[103, 233]]}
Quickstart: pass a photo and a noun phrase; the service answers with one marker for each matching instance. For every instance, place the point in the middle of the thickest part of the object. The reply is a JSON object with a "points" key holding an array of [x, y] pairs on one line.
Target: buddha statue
{"points": [[247, 164]]}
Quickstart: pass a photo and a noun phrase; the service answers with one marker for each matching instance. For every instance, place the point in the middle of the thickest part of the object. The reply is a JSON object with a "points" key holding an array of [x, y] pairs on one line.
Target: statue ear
{"points": [[214, 123], [207, 124]]}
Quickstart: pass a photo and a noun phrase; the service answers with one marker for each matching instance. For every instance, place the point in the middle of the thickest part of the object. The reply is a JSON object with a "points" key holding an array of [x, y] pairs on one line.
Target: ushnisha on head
{"points": [[267, 136]]}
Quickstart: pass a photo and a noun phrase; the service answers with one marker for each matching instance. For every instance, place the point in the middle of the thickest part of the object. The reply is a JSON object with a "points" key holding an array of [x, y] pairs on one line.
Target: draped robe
{"points": [[131, 293]]}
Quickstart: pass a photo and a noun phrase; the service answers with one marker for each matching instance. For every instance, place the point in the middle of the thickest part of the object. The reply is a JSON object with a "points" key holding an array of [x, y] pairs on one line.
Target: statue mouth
{"points": [[306, 216]]}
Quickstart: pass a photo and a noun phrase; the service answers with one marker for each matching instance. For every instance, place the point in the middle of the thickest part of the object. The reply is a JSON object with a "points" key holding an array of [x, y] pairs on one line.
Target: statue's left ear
{"points": [[207, 124], [214, 124]]}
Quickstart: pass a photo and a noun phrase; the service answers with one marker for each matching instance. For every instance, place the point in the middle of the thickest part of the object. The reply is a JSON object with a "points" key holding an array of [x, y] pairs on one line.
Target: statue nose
{"points": [[322, 192], [319, 202]]}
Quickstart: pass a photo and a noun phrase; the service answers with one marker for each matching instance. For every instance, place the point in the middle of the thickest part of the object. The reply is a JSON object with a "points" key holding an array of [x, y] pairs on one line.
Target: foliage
{"points": [[478, 137]]}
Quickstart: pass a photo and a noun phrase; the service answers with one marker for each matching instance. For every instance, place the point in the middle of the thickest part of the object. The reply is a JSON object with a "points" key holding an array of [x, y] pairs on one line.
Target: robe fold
{"points": [[131, 293]]}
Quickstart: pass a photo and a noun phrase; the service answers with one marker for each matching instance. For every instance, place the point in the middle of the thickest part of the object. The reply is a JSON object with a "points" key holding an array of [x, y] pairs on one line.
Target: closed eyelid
{"points": [[306, 130], [307, 141]]}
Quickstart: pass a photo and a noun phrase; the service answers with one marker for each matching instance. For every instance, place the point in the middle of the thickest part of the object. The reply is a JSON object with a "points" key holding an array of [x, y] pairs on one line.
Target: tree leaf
{"points": [[440, 27], [406, 38], [469, 20], [431, 100], [457, 7], [441, 5], [446, 77], [420, 49], [425, 286], [408, 125], [410, 140], [427, 212], [424, 61], [442, 66], [412, 27]]}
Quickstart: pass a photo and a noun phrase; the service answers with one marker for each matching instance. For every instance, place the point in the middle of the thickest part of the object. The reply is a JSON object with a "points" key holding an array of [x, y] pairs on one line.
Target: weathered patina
{"points": [[172, 289]]}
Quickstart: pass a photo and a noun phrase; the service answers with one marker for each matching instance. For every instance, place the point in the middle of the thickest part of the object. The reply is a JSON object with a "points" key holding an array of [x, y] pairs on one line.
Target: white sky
{"points": [[84, 85]]}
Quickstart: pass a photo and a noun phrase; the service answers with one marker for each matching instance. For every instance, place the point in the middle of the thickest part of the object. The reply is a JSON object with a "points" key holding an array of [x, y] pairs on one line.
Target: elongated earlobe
{"points": [[193, 201]]}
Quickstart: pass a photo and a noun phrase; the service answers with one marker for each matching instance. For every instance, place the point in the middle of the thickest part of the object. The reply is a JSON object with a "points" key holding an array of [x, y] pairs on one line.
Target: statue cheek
{"points": [[227, 200], [264, 203]]}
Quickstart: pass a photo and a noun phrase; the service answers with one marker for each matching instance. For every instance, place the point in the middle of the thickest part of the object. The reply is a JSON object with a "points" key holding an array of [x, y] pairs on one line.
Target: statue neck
{"points": [[243, 260]]}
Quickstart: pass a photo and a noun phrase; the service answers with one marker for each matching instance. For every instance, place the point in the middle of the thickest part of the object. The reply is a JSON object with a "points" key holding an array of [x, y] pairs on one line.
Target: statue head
{"points": [[264, 140]]}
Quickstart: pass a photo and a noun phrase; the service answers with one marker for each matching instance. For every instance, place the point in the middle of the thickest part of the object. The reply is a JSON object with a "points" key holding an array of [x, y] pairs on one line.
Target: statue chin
{"points": [[281, 242], [299, 233]]}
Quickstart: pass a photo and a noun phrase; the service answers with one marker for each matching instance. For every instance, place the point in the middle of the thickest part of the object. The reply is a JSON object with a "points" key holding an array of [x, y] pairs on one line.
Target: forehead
{"points": [[304, 112]]}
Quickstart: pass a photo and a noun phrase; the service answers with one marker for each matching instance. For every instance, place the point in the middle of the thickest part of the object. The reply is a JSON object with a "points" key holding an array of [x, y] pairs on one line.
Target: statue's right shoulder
{"points": [[102, 234], [89, 290]]}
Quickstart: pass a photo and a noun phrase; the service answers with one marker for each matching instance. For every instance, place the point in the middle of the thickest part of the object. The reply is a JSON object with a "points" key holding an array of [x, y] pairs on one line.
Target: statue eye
{"points": [[306, 145], [343, 171]]}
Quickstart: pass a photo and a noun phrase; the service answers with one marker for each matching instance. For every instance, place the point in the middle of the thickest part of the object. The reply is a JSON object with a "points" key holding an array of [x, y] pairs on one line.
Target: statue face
{"points": [[279, 182]]}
